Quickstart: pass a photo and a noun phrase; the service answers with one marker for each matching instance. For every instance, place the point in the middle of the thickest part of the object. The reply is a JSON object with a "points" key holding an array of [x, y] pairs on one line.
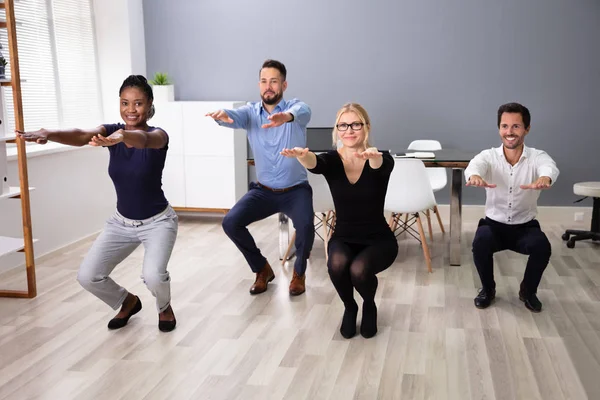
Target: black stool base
{"points": [[572, 235]]}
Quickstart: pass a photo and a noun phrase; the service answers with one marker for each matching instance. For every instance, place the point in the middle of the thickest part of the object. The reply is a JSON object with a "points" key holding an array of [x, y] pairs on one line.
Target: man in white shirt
{"points": [[512, 175]]}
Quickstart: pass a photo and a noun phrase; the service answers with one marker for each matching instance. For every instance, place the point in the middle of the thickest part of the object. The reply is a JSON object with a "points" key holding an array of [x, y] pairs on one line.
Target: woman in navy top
{"points": [[362, 243], [143, 215]]}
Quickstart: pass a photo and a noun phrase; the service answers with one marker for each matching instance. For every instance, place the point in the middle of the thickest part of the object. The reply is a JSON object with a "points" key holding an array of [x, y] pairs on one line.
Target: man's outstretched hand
{"points": [[476, 180]]}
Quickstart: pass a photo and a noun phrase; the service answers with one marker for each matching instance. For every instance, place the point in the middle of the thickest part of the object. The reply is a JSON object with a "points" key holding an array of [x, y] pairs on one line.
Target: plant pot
{"points": [[2, 72], [163, 93]]}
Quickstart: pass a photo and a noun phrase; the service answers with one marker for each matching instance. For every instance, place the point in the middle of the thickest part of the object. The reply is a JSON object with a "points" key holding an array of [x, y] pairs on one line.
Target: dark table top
{"points": [[444, 155], [445, 158]]}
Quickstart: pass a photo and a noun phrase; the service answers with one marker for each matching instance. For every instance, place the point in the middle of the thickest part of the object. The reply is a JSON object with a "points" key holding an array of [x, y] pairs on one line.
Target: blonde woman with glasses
{"points": [[362, 244]]}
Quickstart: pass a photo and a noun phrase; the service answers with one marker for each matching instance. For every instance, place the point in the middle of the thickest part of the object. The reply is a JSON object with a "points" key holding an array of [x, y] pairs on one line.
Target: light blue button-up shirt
{"points": [[273, 169]]}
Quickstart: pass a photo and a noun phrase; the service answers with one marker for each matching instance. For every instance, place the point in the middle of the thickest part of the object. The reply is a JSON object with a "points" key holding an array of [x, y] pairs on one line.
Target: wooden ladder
{"points": [[11, 245]]}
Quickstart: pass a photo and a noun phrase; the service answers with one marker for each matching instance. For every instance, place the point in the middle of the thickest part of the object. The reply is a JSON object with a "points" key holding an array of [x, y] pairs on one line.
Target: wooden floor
{"points": [[432, 342]]}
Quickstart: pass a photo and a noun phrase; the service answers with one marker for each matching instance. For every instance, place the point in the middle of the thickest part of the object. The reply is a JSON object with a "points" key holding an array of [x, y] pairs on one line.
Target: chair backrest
{"points": [[425, 145], [437, 177], [322, 200], [409, 190]]}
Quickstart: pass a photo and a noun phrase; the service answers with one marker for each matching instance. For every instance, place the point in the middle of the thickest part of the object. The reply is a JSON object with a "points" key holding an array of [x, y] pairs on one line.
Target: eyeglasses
{"points": [[344, 127]]}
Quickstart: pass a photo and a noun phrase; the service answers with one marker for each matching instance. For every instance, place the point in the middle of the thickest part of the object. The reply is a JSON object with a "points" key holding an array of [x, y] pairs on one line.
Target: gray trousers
{"points": [[121, 236]]}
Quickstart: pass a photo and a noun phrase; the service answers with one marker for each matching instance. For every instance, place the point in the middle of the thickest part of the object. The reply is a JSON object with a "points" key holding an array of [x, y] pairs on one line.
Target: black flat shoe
{"points": [[117, 323], [167, 326]]}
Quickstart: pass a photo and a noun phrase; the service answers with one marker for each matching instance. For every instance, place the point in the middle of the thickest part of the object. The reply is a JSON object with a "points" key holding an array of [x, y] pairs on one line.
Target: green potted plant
{"points": [[163, 88]]}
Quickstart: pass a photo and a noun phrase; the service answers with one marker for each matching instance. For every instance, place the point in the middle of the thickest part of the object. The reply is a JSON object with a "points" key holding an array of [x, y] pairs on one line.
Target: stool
{"points": [[590, 189]]}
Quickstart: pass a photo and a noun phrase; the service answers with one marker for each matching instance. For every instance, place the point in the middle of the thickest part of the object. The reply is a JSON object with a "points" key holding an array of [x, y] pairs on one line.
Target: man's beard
{"points": [[273, 100], [513, 145]]}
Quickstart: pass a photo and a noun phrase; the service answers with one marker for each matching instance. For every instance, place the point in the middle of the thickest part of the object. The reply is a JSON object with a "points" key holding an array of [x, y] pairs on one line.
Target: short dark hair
{"points": [[274, 64], [140, 82], [515, 108]]}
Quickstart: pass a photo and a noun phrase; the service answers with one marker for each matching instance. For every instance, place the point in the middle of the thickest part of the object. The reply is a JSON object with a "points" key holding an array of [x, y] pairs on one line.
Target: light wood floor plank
{"points": [[432, 342]]}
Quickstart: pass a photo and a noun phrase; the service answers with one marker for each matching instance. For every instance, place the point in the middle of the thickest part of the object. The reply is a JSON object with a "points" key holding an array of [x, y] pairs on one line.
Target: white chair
{"points": [[324, 212], [425, 145], [437, 176], [409, 193]]}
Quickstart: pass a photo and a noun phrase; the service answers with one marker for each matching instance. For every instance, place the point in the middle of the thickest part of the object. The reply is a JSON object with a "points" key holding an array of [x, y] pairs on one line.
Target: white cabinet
{"points": [[174, 179], [206, 167]]}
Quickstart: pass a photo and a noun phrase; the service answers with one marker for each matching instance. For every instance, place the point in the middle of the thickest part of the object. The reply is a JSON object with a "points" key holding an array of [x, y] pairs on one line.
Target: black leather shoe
{"points": [[531, 301], [167, 326], [117, 323], [484, 298]]}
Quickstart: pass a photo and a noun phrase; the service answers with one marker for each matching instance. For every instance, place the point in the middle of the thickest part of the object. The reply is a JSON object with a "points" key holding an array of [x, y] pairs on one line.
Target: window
{"points": [[58, 65]]}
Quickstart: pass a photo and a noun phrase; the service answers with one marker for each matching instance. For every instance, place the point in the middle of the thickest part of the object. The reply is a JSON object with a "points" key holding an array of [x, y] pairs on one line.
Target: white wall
{"points": [[121, 48], [73, 197]]}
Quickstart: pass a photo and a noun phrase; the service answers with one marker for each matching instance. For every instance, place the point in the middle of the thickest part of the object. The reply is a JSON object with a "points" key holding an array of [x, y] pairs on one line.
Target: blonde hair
{"points": [[362, 115]]}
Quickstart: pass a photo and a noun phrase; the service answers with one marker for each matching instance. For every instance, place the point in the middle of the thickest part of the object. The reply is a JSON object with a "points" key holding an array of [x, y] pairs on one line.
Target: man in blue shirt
{"points": [[273, 124]]}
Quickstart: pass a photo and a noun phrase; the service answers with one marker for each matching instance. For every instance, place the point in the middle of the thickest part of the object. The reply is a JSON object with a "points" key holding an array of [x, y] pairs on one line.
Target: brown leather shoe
{"points": [[263, 277], [297, 285]]}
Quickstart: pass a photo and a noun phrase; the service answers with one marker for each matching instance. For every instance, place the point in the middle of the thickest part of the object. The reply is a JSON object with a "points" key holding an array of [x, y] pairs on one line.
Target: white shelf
{"points": [[8, 82], [3, 22], [13, 191], [9, 245], [8, 137]]}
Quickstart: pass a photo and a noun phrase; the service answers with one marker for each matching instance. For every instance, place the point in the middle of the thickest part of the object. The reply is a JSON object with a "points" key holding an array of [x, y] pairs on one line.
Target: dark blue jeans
{"points": [[260, 203], [492, 236]]}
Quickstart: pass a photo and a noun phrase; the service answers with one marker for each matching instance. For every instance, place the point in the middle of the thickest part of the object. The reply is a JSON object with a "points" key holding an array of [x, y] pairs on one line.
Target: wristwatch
{"points": [[292, 120]]}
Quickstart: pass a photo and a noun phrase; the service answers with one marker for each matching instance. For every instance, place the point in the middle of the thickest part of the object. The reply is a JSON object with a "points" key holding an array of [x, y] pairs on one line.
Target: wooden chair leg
{"points": [[289, 249], [435, 210], [394, 221], [332, 228], [397, 222], [391, 221], [429, 225], [424, 243]]}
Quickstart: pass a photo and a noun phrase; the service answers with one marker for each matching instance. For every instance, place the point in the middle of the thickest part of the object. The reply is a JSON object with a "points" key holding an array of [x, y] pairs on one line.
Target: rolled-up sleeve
{"points": [[301, 112], [546, 166], [479, 165], [240, 117]]}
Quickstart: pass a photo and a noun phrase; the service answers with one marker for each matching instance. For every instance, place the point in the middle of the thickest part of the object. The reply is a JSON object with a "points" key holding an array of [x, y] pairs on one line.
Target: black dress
{"points": [[358, 206]]}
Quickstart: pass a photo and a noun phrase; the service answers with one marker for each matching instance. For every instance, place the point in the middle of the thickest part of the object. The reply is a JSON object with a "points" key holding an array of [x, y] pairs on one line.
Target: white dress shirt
{"points": [[507, 202]]}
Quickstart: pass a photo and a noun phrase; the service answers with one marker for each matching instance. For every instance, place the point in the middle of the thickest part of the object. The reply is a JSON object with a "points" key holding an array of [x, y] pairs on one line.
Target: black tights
{"points": [[351, 266]]}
